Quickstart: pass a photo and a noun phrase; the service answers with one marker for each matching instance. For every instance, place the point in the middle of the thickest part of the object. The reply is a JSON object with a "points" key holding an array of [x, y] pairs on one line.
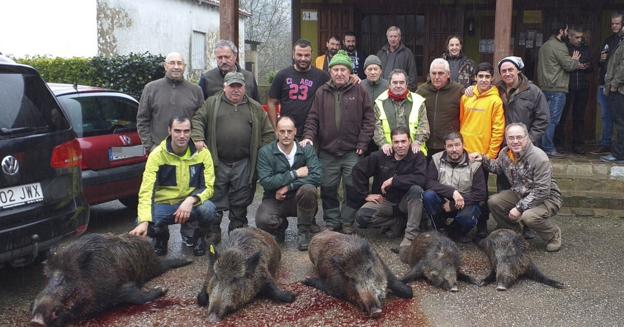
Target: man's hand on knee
{"points": [[375, 198], [514, 214], [140, 229], [183, 213]]}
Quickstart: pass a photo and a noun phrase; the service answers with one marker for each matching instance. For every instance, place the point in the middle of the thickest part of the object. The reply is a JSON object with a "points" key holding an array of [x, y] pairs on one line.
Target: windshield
{"points": [[26, 105], [93, 114]]}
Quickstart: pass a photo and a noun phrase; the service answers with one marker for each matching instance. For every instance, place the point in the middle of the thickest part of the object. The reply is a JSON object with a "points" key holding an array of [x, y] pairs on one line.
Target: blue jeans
{"points": [[606, 118], [204, 214], [556, 102], [464, 219]]}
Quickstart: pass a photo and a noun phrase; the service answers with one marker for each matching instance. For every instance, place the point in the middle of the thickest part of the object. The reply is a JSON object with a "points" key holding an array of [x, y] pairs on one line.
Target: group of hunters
{"points": [[438, 142]]}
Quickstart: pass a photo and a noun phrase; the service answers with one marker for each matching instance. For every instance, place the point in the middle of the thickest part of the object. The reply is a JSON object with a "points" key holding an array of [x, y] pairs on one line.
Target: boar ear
{"points": [[252, 262]]}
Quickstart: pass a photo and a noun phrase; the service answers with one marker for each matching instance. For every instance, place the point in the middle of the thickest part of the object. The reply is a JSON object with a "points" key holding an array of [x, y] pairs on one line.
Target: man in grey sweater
{"points": [[162, 100]]}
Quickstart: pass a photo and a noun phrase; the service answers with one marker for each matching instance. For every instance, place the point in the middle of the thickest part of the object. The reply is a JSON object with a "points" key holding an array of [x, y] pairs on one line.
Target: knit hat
{"points": [[372, 60], [234, 78], [341, 58], [516, 61]]}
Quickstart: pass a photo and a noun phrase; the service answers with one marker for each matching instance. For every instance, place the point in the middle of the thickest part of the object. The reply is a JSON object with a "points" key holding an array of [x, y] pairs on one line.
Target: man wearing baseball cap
{"points": [[340, 124], [233, 127]]}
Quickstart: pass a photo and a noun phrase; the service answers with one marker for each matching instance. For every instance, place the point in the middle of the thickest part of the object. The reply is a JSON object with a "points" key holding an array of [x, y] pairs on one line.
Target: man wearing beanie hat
{"points": [[374, 83], [340, 124]]}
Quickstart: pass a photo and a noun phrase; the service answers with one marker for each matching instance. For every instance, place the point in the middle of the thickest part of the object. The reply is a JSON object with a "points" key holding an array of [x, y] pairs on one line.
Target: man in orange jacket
{"points": [[482, 125]]}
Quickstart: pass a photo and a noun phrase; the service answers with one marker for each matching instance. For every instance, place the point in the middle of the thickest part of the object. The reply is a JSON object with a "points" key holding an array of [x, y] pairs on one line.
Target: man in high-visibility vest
{"points": [[398, 107]]}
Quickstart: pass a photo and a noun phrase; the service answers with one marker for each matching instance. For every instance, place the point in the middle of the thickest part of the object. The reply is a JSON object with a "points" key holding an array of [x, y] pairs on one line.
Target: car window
{"points": [[27, 106], [99, 115]]}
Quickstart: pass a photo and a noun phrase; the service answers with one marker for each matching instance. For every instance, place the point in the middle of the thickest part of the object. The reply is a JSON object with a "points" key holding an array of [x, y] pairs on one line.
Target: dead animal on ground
{"points": [[351, 270], [507, 252], [436, 258], [97, 272], [247, 267]]}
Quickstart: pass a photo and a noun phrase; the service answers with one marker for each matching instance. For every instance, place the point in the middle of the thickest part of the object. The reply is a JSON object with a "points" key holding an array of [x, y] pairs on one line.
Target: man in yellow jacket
{"points": [[178, 182], [482, 125]]}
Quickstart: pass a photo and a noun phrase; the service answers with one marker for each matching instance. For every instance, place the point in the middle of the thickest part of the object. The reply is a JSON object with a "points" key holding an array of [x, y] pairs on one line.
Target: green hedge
{"points": [[125, 73]]}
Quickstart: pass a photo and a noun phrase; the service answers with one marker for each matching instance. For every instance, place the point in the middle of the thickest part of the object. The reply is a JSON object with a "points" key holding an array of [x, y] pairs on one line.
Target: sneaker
{"points": [[554, 154], [303, 240], [189, 241], [555, 243], [528, 234], [602, 150], [348, 229], [200, 247]]}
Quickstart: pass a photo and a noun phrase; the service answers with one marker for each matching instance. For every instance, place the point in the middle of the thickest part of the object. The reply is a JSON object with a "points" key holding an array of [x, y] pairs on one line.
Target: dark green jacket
{"points": [[554, 65], [442, 111], [274, 171], [205, 126]]}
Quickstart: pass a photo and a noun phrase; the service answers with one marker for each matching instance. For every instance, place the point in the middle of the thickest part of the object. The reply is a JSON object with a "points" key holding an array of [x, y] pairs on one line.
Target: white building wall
{"points": [[163, 26]]}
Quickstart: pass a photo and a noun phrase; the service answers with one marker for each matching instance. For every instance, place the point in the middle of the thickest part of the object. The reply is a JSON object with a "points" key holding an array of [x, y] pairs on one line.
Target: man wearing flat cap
{"points": [[340, 124], [233, 127]]}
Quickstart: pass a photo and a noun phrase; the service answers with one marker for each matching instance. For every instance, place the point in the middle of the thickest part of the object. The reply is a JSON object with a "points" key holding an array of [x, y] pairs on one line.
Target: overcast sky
{"points": [[65, 28]]}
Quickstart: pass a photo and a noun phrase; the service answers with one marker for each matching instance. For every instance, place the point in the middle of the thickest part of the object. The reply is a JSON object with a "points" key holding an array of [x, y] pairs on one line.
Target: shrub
{"points": [[125, 73]]}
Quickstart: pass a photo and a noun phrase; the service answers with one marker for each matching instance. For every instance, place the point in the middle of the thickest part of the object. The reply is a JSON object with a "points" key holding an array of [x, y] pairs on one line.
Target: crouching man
{"points": [[289, 175], [177, 183], [397, 190], [534, 196], [455, 188]]}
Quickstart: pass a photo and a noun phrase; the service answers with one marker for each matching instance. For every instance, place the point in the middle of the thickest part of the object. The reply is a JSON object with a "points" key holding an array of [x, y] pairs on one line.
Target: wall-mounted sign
{"points": [[309, 15], [532, 17]]}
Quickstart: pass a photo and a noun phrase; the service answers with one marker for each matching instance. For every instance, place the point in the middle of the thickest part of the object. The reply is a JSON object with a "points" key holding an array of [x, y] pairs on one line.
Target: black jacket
{"points": [[405, 173], [579, 79], [613, 42]]}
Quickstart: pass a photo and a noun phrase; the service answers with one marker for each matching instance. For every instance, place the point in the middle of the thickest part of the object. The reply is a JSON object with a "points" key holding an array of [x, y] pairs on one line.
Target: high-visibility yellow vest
{"points": [[412, 120]]}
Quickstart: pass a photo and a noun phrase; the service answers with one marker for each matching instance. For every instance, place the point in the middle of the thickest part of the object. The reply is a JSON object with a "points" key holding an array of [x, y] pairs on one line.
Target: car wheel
{"points": [[130, 202]]}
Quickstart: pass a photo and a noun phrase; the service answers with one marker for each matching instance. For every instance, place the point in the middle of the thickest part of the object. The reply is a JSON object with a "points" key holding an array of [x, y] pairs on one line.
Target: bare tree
{"points": [[269, 25]]}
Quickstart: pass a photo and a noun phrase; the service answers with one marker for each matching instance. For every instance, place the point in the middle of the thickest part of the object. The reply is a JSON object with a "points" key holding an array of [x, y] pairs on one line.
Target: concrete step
{"points": [[588, 186]]}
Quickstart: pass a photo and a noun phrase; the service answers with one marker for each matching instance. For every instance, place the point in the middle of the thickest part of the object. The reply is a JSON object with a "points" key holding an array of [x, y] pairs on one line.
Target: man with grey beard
{"points": [[162, 100]]}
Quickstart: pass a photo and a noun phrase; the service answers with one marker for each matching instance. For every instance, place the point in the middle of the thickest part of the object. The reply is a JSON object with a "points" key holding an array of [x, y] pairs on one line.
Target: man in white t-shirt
{"points": [[289, 175]]}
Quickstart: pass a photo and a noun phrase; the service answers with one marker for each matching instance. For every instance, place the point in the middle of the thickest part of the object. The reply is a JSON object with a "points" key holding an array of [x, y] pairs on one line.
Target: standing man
{"points": [[609, 46], [455, 188], [161, 100], [578, 93], [293, 88], [226, 54], [397, 190], [442, 98], [177, 183], [398, 107], [614, 89], [553, 68], [374, 83], [322, 61], [534, 196], [289, 175], [233, 127], [395, 54], [341, 124], [482, 125], [357, 58]]}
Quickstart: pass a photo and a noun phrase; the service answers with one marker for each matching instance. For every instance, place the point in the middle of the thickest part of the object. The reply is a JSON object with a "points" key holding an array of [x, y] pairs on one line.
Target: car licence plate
{"points": [[125, 152], [20, 195]]}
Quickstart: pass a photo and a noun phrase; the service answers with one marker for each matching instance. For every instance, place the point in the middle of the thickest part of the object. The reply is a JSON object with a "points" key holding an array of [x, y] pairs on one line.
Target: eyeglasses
{"points": [[515, 137], [173, 63]]}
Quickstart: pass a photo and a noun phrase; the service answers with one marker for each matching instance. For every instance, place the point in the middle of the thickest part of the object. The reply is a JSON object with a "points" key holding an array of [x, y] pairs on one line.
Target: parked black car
{"points": [[41, 200]]}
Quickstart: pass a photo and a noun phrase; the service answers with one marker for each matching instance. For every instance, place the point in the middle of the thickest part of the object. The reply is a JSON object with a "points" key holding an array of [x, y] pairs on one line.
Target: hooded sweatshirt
{"points": [[482, 122]]}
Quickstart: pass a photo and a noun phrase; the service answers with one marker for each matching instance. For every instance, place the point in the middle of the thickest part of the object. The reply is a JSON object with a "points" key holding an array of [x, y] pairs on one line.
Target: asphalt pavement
{"points": [[589, 264]]}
